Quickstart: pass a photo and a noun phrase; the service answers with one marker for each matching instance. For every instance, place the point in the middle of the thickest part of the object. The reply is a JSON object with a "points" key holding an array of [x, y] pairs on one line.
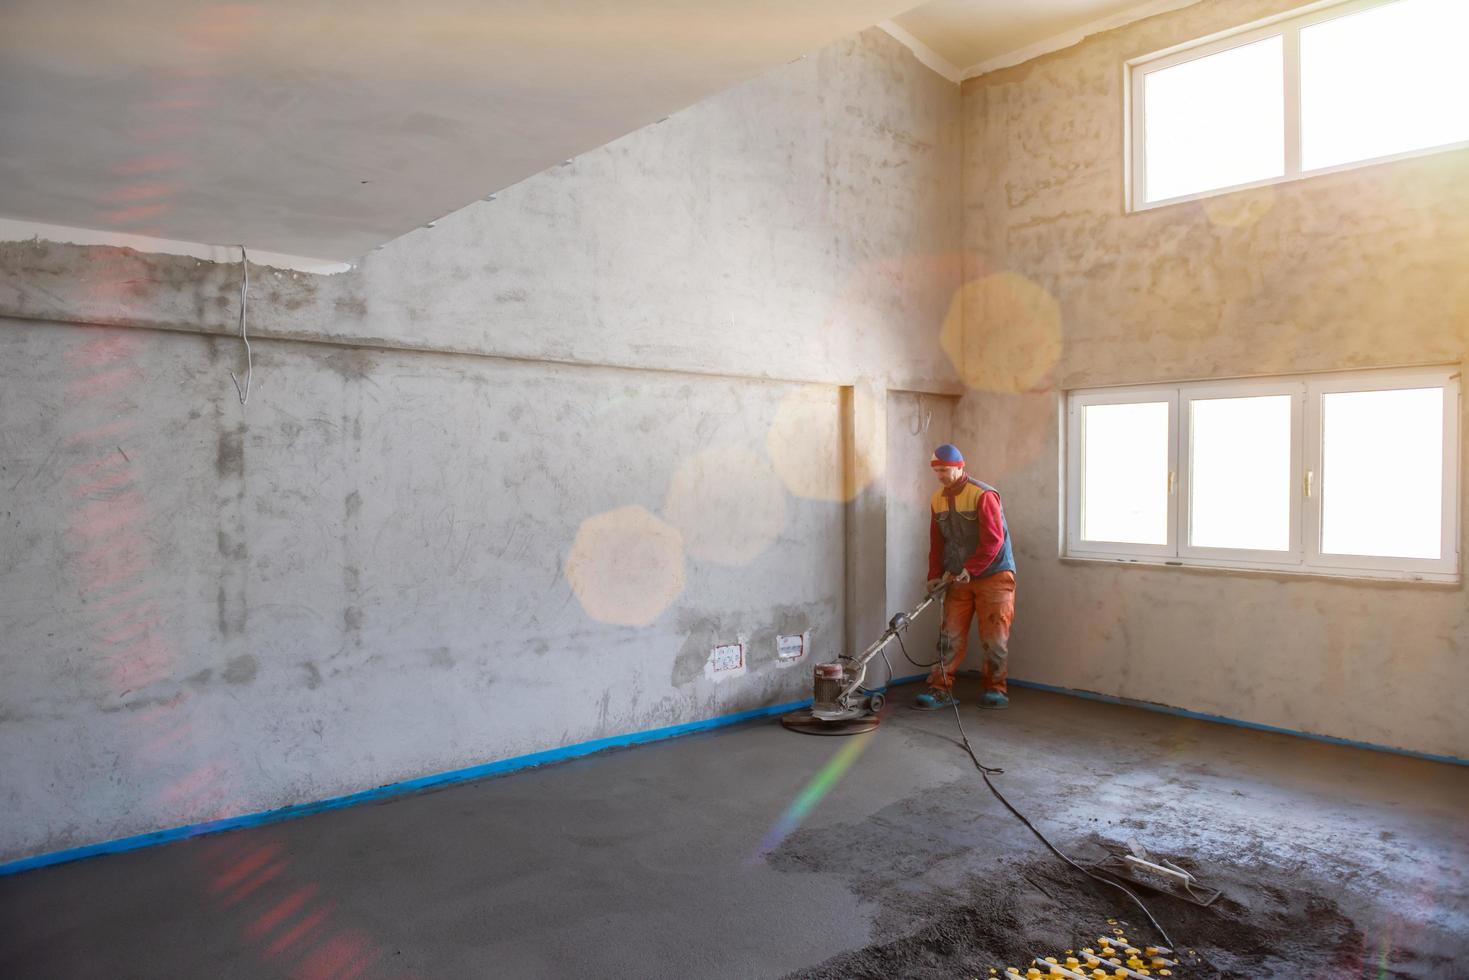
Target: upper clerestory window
{"points": [[1330, 86]]}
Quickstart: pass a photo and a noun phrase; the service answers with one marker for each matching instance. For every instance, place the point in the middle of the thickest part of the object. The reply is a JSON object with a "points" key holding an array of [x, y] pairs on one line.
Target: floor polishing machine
{"points": [[840, 705]]}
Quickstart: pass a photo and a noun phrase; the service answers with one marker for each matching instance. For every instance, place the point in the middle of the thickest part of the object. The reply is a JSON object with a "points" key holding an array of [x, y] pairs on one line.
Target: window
{"points": [[1339, 85], [1339, 474], [1215, 122], [1126, 457]]}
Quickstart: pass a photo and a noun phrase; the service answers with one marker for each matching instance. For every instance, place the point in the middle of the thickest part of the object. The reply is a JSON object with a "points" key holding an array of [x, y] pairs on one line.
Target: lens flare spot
{"points": [[1240, 209], [804, 444], [813, 793], [141, 192], [626, 566], [122, 216], [1002, 333], [728, 504]]}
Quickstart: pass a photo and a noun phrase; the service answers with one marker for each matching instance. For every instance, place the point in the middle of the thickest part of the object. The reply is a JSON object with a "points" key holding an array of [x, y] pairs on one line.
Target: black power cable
{"points": [[986, 771], [914, 662]]}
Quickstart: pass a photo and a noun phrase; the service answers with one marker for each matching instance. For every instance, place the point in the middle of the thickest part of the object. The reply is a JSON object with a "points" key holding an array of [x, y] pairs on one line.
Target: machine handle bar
{"points": [[898, 624]]}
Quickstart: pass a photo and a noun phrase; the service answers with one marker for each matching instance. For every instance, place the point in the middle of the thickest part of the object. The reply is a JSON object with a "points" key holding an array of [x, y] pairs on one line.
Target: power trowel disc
{"points": [[805, 721]]}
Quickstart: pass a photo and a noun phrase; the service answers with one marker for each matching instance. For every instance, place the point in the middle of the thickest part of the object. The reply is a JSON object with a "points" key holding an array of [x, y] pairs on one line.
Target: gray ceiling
{"points": [[324, 127]]}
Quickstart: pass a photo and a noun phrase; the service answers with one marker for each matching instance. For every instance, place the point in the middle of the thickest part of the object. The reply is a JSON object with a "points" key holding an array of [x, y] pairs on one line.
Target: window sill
{"points": [[1135, 206], [1438, 580]]}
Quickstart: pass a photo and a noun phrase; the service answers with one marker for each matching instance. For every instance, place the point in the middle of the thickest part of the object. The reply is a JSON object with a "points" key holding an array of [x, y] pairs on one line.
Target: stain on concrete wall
{"points": [[1359, 269]]}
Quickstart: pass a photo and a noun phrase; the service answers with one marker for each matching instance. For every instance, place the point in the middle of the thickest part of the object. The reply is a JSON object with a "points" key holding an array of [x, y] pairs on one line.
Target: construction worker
{"points": [[969, 547]]}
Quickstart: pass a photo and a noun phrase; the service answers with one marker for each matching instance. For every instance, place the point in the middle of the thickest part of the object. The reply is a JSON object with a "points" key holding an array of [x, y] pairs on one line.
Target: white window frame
{"points": [[1288, 25], [1305, 555], [1446, 566], [1076, 442], [1188, 394]]}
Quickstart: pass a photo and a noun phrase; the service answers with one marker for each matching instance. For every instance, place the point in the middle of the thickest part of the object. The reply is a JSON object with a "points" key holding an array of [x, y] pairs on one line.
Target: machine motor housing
{"points": [[827, 686]]}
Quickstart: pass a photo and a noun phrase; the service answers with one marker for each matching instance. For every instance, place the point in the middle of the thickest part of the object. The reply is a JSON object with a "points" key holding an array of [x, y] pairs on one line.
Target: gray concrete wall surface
{"points": [[500, 489], [1359, 269]]}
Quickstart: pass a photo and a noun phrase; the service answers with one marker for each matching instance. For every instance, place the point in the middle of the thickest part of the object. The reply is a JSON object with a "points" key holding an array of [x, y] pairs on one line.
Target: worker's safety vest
{"points": [[958, 520]]}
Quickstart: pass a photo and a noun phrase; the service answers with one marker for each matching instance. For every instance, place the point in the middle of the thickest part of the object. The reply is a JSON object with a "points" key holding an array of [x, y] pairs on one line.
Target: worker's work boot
{"points": [[994, 699], [934, 699]]}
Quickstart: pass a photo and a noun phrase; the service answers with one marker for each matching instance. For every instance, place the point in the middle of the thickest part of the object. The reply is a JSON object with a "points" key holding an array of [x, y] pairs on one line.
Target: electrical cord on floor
{"points": [[986, 771]]}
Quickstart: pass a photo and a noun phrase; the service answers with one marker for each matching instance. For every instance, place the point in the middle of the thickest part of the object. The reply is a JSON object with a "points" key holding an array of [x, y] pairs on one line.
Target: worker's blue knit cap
{"points": [[947, 455]]}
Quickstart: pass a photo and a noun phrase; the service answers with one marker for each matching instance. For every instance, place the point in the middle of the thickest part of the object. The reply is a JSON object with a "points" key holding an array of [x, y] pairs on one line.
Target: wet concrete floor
{"points": [[754, 852]]}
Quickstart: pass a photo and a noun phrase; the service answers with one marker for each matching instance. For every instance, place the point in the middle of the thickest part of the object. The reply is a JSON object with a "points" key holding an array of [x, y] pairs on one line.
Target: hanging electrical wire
{"points": [[244, 393]]}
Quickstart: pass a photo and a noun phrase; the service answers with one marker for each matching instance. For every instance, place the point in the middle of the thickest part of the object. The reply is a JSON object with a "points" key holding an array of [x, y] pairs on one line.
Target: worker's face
{"points": [[948, 475]]}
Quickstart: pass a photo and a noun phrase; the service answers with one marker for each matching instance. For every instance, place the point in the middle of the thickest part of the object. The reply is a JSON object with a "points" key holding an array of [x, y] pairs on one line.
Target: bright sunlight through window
{"points": [[1239, 473], [1355, 82], [1125, 470], [1336, 474], [1415, 95], [1381, 472], [1216, 122]]}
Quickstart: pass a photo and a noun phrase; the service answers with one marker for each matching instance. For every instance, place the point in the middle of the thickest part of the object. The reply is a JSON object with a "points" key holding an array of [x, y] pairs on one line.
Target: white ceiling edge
{"points": [[13, 230], [1074, 36], [926, 55]]}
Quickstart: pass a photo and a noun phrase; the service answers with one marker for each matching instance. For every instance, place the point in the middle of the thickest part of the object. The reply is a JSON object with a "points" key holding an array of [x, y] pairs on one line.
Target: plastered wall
{"points": [[1064, 290], [499, 489]]}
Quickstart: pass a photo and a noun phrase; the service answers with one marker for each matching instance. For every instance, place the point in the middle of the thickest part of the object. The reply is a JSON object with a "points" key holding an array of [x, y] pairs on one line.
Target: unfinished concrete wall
{"points": [[499, 489], [1064, 290]]}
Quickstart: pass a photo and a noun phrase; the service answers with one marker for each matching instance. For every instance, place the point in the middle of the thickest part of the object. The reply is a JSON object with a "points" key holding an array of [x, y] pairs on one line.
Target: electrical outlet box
{"points": [[789, 648], [728, 657]]}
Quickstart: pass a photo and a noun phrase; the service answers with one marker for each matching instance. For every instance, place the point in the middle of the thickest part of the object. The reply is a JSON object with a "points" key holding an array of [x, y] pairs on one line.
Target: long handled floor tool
{"points": [[840, 705]]}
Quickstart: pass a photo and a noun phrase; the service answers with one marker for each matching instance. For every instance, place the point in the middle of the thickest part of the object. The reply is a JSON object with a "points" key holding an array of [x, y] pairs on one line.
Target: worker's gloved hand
{"points": [[933, 583], [962, 577]]}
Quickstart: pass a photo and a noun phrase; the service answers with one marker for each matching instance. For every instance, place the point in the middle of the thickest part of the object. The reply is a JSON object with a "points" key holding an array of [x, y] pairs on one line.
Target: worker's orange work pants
{"points": [[991, 601]]}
